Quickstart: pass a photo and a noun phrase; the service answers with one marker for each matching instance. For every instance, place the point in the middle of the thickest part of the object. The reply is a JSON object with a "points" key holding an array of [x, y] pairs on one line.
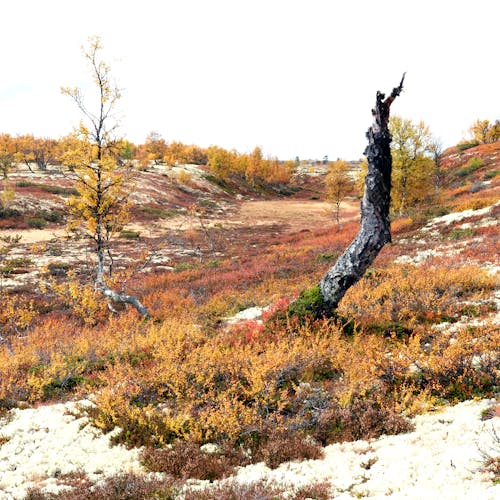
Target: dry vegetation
{"points": [[274, 389]]}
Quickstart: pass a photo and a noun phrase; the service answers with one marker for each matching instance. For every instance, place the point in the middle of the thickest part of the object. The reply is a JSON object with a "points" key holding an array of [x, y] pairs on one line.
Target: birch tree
{"points": [[339, 184], [103, 186]]}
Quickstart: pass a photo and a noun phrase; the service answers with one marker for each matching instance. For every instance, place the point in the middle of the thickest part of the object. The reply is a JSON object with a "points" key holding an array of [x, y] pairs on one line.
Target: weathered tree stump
{"points": [[375, 229]]}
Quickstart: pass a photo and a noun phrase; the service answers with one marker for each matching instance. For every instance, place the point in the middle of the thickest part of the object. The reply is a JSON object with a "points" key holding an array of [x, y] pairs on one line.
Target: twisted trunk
{"points": [[375, 230]]}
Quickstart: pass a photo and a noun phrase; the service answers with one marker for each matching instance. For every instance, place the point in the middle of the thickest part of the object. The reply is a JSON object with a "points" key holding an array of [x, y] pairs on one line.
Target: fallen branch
{"points": [[121, 298]]}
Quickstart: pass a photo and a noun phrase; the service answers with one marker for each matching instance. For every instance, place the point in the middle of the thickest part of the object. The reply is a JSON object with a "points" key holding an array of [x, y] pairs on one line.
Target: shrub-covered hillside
{"points": [[418, 332]]}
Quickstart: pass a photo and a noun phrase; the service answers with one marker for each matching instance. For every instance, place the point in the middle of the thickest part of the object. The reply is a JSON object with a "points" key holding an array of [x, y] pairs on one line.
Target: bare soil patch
{"points": [[292, 215], [36, 235]]}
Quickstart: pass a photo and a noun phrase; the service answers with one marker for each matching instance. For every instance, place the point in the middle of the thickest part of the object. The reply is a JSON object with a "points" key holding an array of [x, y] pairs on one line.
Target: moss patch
{"points": [[310, 303]]}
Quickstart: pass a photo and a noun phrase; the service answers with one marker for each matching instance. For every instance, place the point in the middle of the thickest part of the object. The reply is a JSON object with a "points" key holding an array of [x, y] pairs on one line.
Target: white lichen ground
{"points": [[45, 443], [442, 458]]}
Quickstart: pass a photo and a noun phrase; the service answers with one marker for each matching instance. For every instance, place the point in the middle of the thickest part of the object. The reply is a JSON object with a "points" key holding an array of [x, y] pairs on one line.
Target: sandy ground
{"points": [[295, 214], [31, 236], [290, 215]]}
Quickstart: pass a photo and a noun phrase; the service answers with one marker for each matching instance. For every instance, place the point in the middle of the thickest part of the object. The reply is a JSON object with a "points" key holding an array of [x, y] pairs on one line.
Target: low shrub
{"points": [[404, 295], [326, 257], [36, 222], [51, 216], [186, 460], [184, 266], [223, 184], [364, 417], [458, 234], [130, 235], [462, 146], [474, 204], [257, 490], [121, 486], [15, 265], [317, 491], [59, 268], [62, 190], [464, 369], [6, 213], [53, 189], [283, 446], [470, 167], [421, 216], [158, 212], [185, 177], [491, 175]]}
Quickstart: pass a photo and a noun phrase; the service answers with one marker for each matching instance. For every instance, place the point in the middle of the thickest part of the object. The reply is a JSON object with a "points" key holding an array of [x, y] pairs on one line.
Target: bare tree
{"points": [[436, 148], [375, 231]]}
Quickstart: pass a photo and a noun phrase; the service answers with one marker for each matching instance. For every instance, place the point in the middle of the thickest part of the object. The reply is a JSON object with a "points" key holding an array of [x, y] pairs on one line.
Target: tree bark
{"points": [[375, 230]]}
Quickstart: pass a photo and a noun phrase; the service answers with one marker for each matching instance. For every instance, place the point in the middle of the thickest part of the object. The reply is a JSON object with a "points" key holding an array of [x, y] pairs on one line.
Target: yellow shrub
{"points": [[16, 314], [474, 204], [403, 295], [185, 177], [80, 298]]}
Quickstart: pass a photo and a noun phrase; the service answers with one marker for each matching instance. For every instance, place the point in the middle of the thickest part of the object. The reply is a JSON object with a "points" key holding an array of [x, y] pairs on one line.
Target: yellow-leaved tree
{"points": [[104, 186], [339, 184], [413, 166], [7, 154], [484, 132]]}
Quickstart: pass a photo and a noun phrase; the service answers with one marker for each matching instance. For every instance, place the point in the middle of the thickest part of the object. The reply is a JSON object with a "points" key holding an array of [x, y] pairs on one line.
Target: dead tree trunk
{"points": [[375, 230]]}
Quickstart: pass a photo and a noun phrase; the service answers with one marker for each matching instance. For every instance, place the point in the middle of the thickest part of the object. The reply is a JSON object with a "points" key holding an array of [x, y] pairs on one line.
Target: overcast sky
{"points": [[297, 78]]}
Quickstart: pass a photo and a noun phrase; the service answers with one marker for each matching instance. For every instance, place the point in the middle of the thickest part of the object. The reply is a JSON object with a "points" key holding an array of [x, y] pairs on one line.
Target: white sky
{"points": [[296, 77]]}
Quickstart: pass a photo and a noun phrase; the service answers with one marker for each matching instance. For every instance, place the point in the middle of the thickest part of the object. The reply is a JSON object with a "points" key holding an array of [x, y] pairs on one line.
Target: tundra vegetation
{"points": [[403, 339]]}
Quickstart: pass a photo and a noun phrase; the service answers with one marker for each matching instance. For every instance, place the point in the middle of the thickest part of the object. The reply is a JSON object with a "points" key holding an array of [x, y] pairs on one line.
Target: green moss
{"points": [[311, 306], [310, 303]]}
